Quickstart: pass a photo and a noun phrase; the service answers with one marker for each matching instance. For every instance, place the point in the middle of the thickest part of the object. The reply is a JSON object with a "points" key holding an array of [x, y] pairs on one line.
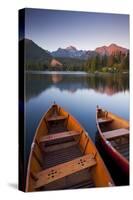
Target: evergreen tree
{"points": [[125, 62]]}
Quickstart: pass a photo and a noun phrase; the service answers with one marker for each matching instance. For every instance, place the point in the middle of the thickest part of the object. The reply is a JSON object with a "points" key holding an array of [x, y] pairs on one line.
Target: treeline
{"points": [[68, 64], [72, 64], [37, 66], [113, 63]]}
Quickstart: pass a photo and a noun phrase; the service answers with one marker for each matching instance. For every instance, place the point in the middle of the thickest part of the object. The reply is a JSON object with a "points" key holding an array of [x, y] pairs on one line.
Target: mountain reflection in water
{"points": [[107, 84]]}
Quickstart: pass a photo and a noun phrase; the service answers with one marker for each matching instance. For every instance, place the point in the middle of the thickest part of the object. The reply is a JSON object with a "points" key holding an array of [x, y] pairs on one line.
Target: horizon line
{"points": [[75, 46]]}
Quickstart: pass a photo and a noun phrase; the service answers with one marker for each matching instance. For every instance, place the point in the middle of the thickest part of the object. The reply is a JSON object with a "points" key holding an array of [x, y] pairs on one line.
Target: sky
{"points": [[53, 29]]}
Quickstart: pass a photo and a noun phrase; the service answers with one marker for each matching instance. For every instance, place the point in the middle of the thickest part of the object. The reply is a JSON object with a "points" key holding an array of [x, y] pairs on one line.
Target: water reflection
{"points": [[56, 78], [107, 84]]}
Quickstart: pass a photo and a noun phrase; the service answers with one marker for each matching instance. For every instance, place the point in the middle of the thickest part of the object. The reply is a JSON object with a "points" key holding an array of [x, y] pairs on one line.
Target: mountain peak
{"points": [[111, 49], [113, 45], [71, 48]]}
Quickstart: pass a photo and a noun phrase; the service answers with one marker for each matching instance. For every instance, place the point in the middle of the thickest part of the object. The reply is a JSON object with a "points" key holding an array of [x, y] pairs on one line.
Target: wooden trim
{"points": [[63, 170], [67, 120], [104, 120], [46, 123], [39, 146], [86, 145], [33, 176], [60, 135], [37, 143], [56, 147], [95, 154], [37, 158], [57, 118], [59, 110], [80, 135], [118, 133]]}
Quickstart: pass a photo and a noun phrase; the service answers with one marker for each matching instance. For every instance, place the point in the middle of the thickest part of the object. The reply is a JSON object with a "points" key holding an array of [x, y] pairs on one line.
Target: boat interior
{"points": [[63, 156], [115, 130]]}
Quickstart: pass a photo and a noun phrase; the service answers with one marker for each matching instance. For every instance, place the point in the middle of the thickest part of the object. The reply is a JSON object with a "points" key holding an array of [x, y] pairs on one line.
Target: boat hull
{"points": [[41, 159], [119, 160]]}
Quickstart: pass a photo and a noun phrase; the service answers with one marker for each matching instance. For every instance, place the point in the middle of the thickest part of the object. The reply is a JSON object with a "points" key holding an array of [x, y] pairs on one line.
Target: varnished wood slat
{"points": [[61, 156], [116, 133], [104, 120], [60, 135], [62, 170], [56, 147], [56, 118]]}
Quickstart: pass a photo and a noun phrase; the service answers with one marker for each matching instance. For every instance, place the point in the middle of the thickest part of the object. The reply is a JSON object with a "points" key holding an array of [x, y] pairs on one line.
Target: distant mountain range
{"points": [[72, 52], [39, 58]]}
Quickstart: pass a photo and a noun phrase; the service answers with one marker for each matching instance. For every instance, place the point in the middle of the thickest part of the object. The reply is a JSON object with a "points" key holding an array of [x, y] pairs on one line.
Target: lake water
{"points": [[78, 94]]}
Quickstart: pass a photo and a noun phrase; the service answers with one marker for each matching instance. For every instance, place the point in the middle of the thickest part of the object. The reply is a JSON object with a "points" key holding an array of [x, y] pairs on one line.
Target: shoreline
{"points": [[76, 73]]}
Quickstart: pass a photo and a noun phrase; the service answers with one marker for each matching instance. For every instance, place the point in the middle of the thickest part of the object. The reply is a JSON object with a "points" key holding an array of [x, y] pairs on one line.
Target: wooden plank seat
{"points": [[104, 120], [60, 135], [116, 133], [56, 118], [63, 170], [62, 146]]}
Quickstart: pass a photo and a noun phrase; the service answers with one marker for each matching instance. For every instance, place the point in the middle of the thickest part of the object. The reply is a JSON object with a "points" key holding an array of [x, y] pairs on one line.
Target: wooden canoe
{"points": [[114, 135], [63, 156]]}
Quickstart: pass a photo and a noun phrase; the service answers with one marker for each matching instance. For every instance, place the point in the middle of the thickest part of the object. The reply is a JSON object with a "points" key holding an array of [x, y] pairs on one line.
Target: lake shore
{"points": [[77, 72]]}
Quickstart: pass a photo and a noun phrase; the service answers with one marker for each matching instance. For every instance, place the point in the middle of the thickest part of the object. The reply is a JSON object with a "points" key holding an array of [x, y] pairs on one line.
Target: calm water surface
{"points": [[76, 93]]}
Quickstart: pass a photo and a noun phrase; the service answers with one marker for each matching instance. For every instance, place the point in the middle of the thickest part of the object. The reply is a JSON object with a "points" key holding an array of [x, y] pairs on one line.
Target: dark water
{"points": [[78, 94]]}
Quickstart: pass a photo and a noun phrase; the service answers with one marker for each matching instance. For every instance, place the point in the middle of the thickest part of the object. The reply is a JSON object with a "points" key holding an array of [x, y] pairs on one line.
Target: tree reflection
{"points": [[105, 84]]}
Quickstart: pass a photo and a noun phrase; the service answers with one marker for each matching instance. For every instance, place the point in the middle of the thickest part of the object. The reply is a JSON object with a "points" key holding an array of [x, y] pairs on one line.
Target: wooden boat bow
{"points": [[63, 155]]}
